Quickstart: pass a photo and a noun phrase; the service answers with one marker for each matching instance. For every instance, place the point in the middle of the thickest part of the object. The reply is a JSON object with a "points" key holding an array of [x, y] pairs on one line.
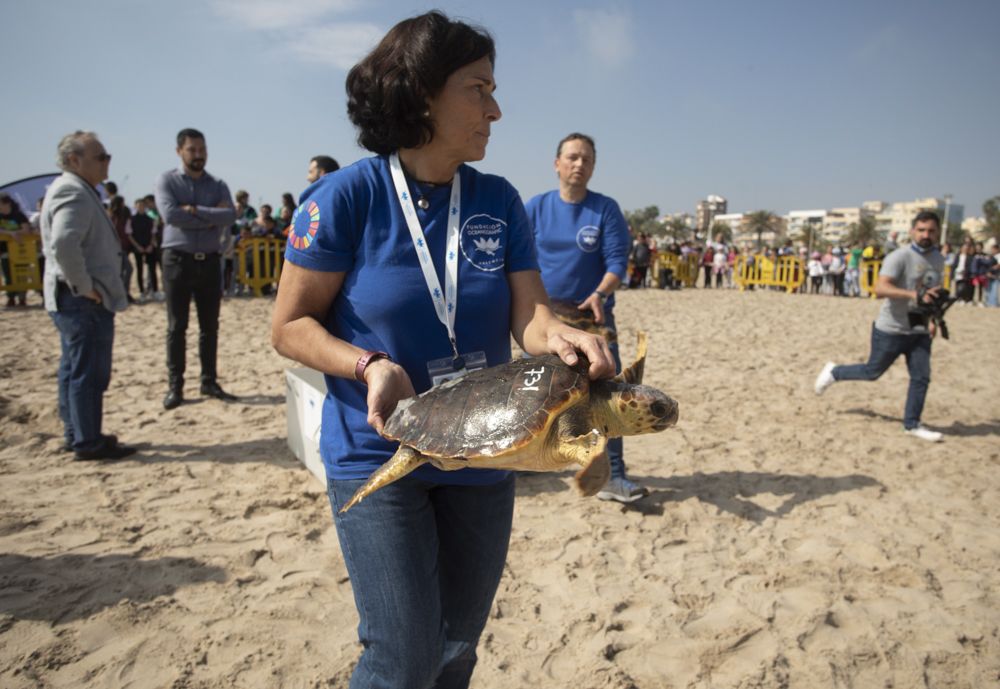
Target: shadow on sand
{"points": [[729, 491], [957, 428], [68, 587], [271, 451]]}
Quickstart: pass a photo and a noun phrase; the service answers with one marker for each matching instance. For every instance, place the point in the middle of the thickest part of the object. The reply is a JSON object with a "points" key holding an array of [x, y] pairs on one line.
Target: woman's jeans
{"points": [[886, 348], [425, 561], [86, 334]]}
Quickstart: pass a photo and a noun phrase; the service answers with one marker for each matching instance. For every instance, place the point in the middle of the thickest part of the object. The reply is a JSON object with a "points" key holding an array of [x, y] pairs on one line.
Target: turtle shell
{"points": [[490, 412]]}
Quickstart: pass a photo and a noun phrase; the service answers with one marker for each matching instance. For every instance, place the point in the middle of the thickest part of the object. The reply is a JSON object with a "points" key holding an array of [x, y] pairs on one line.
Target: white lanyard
{"points": [[444, 305]]}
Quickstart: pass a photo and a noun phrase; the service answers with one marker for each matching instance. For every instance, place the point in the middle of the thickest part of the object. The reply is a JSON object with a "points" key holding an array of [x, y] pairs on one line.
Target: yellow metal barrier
{"points": [[869, 269], [24, 269], [788, 272], [685, 269], [259, 262]]}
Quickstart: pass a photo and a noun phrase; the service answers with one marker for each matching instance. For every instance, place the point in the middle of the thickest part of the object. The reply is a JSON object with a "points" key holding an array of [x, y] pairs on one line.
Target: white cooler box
{"points": [[304, 410]]}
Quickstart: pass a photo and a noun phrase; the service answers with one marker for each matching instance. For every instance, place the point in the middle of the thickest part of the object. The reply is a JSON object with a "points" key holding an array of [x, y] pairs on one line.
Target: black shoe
{"points": [[108, 451], [109, 439], [215, 390], [173, 399]]}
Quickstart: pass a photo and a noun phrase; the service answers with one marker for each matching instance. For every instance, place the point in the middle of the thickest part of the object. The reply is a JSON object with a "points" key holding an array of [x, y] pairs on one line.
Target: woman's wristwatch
{"points": [[366, 359]]}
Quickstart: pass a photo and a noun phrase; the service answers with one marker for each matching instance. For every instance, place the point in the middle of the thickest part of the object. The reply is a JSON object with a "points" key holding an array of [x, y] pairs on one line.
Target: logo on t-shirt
{"points": [[588, 238], [482, 242], [305, 223]]}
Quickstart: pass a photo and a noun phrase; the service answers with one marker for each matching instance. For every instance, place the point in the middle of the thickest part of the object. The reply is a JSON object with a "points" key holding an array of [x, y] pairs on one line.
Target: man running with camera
{"points": [[910, 283]]}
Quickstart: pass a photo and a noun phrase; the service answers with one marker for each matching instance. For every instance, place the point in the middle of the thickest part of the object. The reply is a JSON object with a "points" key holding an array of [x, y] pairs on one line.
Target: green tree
{"points": [[954, 234], [862, 232], [677, 229], [644, 220], [722, 228], [811, 234], [991, 211], [760, 222]]}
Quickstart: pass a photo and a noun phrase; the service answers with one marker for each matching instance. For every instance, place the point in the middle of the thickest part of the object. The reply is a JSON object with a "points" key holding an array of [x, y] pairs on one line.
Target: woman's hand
{"points": [[594, 303], [387, 384], [565, 342]]}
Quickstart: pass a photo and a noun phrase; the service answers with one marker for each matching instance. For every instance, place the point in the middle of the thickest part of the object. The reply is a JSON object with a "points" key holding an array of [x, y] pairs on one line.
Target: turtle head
{"points": [[629, 409]]}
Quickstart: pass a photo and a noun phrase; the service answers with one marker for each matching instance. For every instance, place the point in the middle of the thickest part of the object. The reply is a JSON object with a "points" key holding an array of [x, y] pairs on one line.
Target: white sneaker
{"points": [[825, 378], [622, 490], [924, 433]]}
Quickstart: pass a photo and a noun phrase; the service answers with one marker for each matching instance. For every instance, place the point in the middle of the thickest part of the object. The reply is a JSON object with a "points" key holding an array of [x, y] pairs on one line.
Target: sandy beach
{"points": [[789, 541]]}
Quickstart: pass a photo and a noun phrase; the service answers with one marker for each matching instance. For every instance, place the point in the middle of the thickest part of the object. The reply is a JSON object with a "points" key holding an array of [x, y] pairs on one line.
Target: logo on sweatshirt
{"points": [[482, 242], [305, 223], [588, 238]]}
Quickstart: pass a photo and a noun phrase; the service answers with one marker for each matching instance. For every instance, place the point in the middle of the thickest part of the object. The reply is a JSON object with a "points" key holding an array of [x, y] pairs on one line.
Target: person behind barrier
{"points": [[197, 209], [583, 248], [320, 166], [404, 270], [83, 291], [245, 217], [141, 232], [14, 226], [908, 274]]}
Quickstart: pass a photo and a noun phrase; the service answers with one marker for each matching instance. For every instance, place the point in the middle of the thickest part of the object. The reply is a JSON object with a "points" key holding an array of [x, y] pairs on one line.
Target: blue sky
{"points": [[774, 105]]}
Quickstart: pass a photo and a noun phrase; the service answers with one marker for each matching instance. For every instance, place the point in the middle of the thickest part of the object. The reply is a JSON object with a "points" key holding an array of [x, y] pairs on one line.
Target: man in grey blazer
{"points": [[83, 290]]}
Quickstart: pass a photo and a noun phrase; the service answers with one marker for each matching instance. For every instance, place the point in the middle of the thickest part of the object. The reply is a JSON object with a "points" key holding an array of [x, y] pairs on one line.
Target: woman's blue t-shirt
{"points": [[351, 222], [578, 243]]}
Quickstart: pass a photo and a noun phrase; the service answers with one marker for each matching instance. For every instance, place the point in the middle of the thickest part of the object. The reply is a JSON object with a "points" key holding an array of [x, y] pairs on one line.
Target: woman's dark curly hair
{"points": [[388, 91]]}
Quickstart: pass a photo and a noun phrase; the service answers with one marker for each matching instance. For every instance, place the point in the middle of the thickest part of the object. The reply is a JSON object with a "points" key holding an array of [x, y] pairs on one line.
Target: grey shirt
{"points": [[907, 268], [81, 245], [202, 231]]}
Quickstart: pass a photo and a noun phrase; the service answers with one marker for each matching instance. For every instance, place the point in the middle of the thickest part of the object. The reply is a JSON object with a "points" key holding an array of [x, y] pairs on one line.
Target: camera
{"points": [[926, 312]]}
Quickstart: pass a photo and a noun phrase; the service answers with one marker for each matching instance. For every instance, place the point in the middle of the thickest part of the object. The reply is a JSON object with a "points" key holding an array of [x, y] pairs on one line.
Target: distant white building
{"points": [[838, 221], [900, 215], [735, 222], [976, 227], [797, 222]]}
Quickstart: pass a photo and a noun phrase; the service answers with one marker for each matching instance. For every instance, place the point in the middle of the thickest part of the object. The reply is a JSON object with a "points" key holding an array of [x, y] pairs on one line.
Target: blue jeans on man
{"points": [[616, 446], [86, 335], [885, 349], [425, 561]]}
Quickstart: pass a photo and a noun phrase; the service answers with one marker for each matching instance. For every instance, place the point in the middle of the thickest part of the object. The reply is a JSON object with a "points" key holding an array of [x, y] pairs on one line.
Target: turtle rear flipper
{"points": [[403, 462], [633, 374], [589, 451]]}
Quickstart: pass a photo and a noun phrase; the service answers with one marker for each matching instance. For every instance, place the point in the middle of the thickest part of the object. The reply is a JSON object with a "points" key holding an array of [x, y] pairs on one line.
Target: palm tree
{"points": [[760, 222], [810, 234], [991, 211], [676, 229], [862, 232], [721, 228]]}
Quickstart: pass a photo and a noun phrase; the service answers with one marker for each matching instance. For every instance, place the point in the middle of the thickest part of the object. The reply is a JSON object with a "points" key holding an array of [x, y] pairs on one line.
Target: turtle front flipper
{"points": [[589, 451], [633, 374], [403, 462]]}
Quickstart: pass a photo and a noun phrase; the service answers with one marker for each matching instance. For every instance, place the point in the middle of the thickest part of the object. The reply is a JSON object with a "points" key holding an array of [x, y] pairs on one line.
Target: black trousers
{"points": [[185, 276], [149, 261]]}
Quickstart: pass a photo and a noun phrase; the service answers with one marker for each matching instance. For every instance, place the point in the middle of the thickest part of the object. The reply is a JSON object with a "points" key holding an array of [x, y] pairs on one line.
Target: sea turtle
{"points": [[533, 414], [583, 319]]}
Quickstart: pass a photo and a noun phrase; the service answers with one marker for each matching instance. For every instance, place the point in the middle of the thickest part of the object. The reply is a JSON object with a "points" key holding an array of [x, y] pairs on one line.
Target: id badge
{"points": [[449, 368]]}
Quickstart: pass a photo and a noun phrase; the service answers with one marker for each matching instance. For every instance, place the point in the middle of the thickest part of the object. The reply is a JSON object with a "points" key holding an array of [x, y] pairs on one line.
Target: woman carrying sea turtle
{"points": [[404, 270]]}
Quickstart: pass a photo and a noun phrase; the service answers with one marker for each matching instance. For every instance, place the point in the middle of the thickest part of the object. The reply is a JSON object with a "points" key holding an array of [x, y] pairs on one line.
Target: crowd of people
{"points": [[140, 232], [973, 270]]}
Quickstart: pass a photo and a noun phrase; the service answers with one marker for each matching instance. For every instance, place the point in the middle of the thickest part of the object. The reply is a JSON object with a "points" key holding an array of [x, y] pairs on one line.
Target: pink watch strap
{"points": [[367, 358]]}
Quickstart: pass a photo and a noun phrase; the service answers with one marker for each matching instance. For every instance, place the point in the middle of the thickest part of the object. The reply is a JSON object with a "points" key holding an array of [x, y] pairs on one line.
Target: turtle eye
{"points": [[659, 409]]}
